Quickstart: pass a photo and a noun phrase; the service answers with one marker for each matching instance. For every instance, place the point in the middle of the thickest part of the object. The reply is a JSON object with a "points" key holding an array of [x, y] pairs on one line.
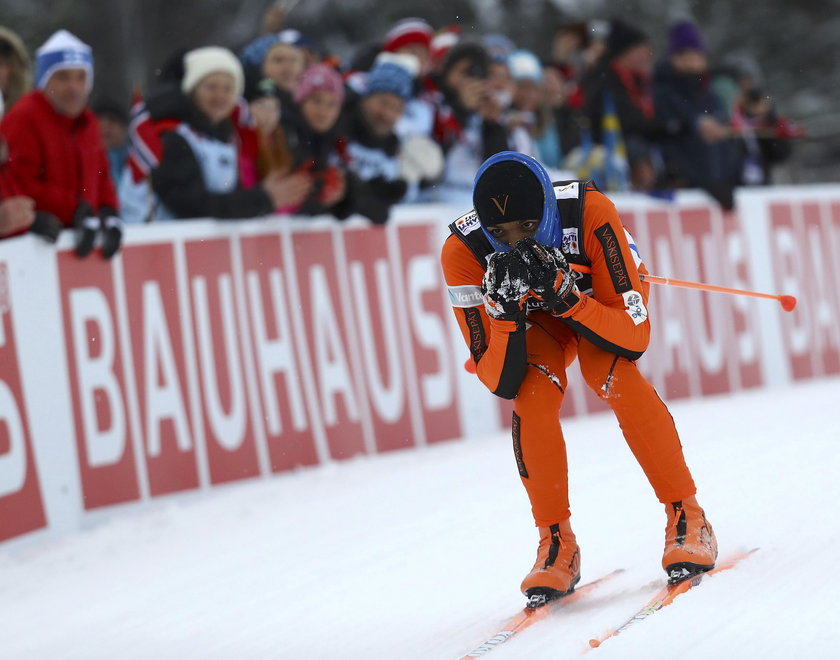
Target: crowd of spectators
{"points": [[282, 127]]}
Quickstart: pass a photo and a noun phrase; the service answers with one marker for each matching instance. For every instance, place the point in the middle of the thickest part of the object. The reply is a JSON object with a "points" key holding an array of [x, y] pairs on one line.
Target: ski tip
{"points": [[594, 643]]}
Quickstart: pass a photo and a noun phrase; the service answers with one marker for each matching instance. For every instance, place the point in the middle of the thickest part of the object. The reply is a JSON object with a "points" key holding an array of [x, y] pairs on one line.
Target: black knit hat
{"points": [[108, 107], [257, 87], [508, 191], [623, 37]]}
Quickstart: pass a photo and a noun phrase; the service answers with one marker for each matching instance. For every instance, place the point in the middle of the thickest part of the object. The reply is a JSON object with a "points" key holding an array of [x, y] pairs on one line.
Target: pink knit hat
{"points": [[319, 78]]}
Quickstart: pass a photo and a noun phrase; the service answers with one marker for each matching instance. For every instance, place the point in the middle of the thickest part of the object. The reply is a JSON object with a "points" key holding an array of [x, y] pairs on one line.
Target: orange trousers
{"points": [[539, 445]]}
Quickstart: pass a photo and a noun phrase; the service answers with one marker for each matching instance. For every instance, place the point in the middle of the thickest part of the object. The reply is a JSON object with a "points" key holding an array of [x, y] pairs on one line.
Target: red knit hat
{"points": [[406, 32], [446, 38]]}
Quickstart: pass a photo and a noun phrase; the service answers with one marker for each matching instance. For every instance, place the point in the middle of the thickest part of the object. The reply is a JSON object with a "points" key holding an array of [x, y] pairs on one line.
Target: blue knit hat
{"points": [[532, 184], [394, 74], [62, 50], [254, 53]]}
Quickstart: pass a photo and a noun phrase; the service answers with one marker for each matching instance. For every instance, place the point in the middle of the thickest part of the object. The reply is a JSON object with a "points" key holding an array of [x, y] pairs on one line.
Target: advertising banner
{"points": [[207, 353]]}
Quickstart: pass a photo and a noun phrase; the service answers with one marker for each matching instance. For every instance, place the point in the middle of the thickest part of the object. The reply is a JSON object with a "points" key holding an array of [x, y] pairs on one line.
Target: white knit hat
{"points": [[63, 50], [202, 62]]}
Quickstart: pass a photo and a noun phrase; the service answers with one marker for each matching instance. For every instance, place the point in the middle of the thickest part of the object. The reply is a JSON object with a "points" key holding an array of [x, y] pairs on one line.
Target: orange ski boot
{"points": [[690, 543], [557, 569]]}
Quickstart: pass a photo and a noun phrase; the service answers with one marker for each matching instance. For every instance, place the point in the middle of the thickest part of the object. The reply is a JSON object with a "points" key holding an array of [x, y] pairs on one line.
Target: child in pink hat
{"points": [[312, 137]]}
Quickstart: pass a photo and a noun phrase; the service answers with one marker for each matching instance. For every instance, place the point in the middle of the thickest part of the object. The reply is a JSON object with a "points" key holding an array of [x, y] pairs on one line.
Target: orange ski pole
{"points": [[787, 302]]}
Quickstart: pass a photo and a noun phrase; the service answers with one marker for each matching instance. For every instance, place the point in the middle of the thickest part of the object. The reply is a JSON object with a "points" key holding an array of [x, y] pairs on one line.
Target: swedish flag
{"points": [[616, 166]]}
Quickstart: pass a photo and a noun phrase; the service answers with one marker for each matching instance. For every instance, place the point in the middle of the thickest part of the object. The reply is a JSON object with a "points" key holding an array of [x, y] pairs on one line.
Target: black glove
{"points": [[551, 278], [505, 287], [87, 224], [391, 190], [111, 232], [47, 226]]}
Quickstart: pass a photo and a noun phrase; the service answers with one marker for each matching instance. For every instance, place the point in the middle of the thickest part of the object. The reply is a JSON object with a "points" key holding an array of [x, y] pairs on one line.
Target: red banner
{"points": [[378, 317], [97, 381], [423, 296], [21, 507], [157, 338], [277, 356], [226, 419], [329, 352]]}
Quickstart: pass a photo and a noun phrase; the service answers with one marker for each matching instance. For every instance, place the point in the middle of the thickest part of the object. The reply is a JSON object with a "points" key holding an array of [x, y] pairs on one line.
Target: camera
{"points": [[477, 69]]}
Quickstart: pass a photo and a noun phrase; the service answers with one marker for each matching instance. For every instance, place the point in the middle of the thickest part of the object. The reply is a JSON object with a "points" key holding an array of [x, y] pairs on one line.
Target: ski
{"points": [[531, 615], [666, 595]]}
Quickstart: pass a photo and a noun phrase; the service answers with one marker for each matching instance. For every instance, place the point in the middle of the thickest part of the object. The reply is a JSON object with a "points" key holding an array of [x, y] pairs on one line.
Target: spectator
{"points": [[765, 137], [373, 147], [279, 58], [702, 155], [500, 85], [198, 175], [17, 212], [264, 102], [465, 134], [622, 81], [15, 73], [567, 46], [52, 126], [563, 120], [274, 155], [113, 127], [595, 47], [163, 109], [313, 139], [572, 50], [444, 40], [413, 37], [526, 120]]}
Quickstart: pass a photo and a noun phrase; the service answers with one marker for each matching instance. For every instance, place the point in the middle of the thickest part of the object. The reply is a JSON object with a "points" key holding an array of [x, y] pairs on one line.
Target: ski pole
{"points": [[787, 302]]}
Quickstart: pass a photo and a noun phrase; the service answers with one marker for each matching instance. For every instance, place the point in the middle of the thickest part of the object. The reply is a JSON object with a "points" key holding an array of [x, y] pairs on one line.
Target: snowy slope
{"points": [[420, 554]]}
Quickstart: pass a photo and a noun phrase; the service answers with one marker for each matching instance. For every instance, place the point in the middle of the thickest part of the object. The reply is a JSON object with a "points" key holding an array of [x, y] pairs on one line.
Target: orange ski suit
{"points": [[607, 333]]}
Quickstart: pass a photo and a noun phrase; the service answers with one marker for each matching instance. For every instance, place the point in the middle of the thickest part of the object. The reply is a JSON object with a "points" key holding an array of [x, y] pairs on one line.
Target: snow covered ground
{"points": [[420, 554]]}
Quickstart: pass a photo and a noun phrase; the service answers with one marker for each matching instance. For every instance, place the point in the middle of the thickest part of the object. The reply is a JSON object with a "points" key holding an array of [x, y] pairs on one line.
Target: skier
{"points": [[538, 273]]}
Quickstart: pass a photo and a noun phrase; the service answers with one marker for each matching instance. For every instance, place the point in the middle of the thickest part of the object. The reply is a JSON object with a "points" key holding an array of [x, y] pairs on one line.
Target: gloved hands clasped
{"points": [[505, 287], [550, 275], [88, 224], [529, 270]]}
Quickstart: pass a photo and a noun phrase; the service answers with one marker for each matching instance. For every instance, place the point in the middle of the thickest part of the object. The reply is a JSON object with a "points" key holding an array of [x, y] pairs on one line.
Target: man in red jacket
{"points": [[55, 151]]}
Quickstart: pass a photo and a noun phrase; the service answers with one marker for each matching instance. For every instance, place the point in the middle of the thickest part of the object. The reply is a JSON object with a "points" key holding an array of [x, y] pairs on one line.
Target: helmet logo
{"points": [[502, 207]]}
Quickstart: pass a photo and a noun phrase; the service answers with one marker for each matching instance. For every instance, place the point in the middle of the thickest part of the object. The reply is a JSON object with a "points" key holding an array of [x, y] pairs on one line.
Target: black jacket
{"points": [[684, 99], [634, 122], [178, 180], [317, 153]]}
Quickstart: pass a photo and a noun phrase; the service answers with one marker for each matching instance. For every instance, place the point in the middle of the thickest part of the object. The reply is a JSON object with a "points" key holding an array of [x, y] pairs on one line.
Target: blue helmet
{"points": [[549, 231]]}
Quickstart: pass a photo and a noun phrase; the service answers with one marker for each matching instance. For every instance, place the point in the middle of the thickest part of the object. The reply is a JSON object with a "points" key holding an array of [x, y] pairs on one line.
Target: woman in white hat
{"points": [[199, 172]]}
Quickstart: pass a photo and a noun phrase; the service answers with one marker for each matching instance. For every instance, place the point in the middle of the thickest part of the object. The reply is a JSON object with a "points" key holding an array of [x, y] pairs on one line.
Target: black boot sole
{"points": [[539, 596], [685, 570]]}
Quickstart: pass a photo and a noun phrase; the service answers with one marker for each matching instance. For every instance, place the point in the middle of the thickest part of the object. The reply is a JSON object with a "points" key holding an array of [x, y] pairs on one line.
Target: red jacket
{"points": [[56, 160]]}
